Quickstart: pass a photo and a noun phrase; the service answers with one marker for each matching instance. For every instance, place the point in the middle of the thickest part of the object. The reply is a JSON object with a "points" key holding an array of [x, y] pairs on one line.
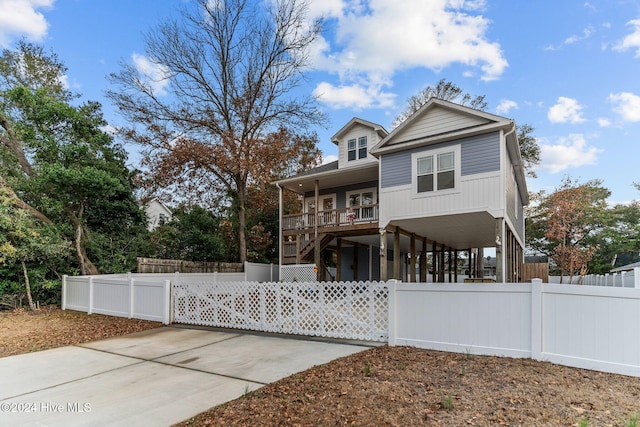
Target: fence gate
{"points": [[351, 310]]}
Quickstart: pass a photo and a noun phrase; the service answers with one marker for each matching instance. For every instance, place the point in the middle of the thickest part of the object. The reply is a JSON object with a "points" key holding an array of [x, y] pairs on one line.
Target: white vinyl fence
{"points": [[353, 310], [581, 326], [138, 298]]}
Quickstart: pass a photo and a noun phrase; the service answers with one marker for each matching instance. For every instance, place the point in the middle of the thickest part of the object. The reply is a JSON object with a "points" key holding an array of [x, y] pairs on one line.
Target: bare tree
{"points": [[445, 90], [232, 68]]}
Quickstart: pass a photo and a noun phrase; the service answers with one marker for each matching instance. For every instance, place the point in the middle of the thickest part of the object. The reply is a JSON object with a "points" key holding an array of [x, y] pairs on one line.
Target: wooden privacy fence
{"points": [[153, 265], [538, 270]]}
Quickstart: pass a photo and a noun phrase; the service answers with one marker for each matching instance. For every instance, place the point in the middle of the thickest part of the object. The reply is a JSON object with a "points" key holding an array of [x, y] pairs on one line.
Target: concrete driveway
{"points": [[152, 378]]}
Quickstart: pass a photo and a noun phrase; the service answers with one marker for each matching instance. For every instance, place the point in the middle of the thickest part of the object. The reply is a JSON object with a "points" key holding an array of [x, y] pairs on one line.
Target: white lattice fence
{"points": [[298, 273], [330, 309]]}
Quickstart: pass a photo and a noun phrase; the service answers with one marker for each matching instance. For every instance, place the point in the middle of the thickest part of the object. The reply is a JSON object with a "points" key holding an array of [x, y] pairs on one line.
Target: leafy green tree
{"points": [[66, 169], [193, 234], [24, 240], [565, 225]]}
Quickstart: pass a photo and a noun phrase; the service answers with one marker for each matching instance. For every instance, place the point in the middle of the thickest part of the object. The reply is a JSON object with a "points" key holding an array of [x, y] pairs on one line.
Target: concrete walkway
{"points": [[152, 378]]}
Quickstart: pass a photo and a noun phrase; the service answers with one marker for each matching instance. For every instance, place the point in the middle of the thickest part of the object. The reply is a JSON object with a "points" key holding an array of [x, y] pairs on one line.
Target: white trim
{"points": [[321, 197], [373, 190], [434, 152]]}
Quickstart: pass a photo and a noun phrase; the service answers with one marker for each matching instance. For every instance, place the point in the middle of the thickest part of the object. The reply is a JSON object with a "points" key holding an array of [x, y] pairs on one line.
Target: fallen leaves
{"points": [[24, 331]]}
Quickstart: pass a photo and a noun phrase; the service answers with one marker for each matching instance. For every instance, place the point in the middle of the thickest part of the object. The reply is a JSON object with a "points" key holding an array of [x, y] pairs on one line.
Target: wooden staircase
{"points": [[306, 254]]}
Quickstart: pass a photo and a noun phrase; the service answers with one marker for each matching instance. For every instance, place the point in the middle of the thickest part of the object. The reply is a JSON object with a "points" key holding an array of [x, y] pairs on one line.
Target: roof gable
{"points": [[437, 121], [357, 121]]}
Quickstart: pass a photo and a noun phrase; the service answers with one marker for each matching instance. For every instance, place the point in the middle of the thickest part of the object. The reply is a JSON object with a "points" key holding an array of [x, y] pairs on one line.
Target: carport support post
{"points": [[316, 242], [423, 261], [412, 264], [396, 253], [499, 255], [384, 274]]}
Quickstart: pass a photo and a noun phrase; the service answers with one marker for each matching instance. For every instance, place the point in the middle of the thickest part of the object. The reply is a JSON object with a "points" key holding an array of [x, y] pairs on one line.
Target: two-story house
{"points": [[405, 204]]}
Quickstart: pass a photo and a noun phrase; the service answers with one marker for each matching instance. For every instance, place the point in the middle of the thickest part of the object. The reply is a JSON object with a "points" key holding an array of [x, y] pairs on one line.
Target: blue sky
{"points": [[571, 69]]}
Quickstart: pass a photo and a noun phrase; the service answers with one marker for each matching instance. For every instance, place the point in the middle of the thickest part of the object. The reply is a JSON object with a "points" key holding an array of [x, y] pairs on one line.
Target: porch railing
{"points": [[332, 218]]}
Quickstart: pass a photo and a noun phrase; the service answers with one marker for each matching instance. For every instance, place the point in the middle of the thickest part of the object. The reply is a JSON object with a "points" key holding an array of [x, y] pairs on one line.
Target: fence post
{"points": [[90, 311], [131, 302], [168, 306], [536, 319], [391, 310], [636, 277], [246, 271], [64, 292]]}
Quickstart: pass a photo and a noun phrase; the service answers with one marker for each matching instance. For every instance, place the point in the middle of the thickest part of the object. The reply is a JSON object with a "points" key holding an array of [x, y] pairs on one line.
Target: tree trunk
{"points": [[32, 306], [86, 266], [242, 223]]}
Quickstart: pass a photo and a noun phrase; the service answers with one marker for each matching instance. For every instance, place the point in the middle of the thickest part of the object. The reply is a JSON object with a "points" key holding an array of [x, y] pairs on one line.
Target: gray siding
{"points": [[341, 192], [479, 154]]}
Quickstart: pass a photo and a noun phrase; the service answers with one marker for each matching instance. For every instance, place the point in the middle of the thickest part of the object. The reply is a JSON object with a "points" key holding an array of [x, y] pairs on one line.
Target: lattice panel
{"points": [[298, 273], [351, 310]]}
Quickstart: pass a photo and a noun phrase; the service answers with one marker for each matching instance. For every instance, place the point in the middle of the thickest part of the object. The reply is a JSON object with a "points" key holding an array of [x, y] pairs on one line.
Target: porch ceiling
{"points": [[331, 179], [461, 231]]}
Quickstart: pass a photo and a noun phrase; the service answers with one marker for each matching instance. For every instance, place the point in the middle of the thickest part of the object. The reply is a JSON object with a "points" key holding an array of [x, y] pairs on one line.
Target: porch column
{"points": [[339, 260], [434, 261], [281, 237], [316, 242], [455, 266], [450, 265], [396, 253], [355, 261], [383, 255], [423, 261], [412, 265], [441, 264], [500, 261]]}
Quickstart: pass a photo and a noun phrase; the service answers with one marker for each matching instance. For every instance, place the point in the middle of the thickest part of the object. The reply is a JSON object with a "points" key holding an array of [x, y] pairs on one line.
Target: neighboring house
{"points": [[448, 179], [628, 267], [157, 213]]}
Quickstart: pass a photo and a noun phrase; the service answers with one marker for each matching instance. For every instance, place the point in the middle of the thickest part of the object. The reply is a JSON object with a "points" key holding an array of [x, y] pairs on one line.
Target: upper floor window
{"points": [[436, 172], [357, 148]]}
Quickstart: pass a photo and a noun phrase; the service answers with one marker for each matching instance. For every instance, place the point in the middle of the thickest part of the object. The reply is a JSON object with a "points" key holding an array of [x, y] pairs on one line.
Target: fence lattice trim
{"points": [[350, 310]]}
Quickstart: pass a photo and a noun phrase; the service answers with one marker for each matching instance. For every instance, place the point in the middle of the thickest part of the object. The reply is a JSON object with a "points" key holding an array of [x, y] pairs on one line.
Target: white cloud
{"points": [[157, 75], [354, 96], [21, 18], [627, 106], [373, 40], [632, 41], [566, 110], [569, 152], [604, 122], [505, 106]]}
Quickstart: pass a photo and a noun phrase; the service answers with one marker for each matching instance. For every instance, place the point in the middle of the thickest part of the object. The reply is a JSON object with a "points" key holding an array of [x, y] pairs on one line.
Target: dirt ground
{"points": [[383, 386]]}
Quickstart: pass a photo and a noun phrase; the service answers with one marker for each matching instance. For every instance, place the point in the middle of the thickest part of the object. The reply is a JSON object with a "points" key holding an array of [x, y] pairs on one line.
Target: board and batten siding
{"points": [[479, 154], [436, 122]]}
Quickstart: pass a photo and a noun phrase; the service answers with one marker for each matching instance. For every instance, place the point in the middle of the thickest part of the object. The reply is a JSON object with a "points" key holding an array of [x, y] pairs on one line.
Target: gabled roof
{"points": [[476, 122], [357, 121], [627, 267]]}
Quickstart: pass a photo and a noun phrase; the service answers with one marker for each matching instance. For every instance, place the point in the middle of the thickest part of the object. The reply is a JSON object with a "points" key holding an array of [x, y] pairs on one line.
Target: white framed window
{"points": [[351, 150], [436, 171], [362, 147], [361, 202], [357, 148]]}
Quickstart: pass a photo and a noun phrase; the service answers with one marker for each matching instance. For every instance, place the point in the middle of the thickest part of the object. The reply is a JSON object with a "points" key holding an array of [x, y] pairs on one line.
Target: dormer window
{"points": [[359, 151]]}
